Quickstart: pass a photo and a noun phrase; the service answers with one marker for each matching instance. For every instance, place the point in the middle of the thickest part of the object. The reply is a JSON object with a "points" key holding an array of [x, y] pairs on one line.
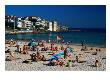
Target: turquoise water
{"points": [[89, 38]]}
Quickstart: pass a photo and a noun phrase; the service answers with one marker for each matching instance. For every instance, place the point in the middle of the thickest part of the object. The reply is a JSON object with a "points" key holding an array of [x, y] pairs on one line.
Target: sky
{"points": [[73, 16]]}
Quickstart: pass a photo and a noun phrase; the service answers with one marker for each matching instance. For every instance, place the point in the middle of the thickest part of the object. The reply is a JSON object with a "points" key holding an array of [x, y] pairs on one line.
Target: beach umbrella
{"points": [[29, 44], [35, 43], [69, 50], [32, 43]]}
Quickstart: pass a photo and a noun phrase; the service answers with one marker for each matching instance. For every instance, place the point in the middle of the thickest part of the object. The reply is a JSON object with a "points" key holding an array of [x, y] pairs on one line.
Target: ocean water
{"points": [[91, 37]]}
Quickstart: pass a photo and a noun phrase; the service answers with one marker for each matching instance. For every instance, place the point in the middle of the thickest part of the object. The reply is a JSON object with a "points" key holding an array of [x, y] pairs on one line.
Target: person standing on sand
{"points": [[82, 44], [69, 63], [62, 48], [65, 53]]}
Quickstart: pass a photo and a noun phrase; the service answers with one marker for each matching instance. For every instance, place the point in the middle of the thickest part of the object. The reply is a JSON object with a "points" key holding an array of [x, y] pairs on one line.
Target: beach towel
{"points": [[61, 52], [56, 56]]}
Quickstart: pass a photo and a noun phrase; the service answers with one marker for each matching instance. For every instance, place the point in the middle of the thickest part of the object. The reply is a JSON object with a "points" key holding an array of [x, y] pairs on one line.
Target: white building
{"points": [[19, 24], [39, 19], [43, 23], [24, 23], [19, 19], [28, 23], [54, 26], [50, 26]]}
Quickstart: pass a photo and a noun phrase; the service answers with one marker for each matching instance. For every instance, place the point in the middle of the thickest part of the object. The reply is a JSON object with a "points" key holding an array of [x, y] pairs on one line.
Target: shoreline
{"points": [[35, 32], [74, 44]]}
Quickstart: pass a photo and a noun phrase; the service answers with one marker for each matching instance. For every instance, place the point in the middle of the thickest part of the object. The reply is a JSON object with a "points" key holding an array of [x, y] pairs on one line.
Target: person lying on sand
{"points": [[84, 48], [7, 51], [33, 57], [44, 49], [11, 56], [80, 58], [91, 48], [52, 63], [94, 53], [17, 46], [8, 58], [12, 43], [98, 50], [97, 63], [43, 58], [40, 57], [62, 62], [7, 42], [41, 44]]}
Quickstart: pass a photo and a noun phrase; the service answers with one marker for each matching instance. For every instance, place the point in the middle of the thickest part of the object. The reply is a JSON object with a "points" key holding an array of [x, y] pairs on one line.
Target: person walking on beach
{"points": [[82, 44], [49, 40]]}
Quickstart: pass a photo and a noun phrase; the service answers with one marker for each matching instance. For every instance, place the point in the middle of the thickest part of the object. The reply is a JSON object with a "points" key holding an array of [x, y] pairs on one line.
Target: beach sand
{"points": [[17, 65]]}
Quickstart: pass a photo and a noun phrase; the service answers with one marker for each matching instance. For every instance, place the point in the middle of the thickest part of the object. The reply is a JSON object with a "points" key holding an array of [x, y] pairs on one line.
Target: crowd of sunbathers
{"points": [[62, 56]]}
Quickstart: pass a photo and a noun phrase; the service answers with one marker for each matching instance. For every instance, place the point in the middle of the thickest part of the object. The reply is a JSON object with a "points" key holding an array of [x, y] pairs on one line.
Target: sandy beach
{"points": [[87, 55]]}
